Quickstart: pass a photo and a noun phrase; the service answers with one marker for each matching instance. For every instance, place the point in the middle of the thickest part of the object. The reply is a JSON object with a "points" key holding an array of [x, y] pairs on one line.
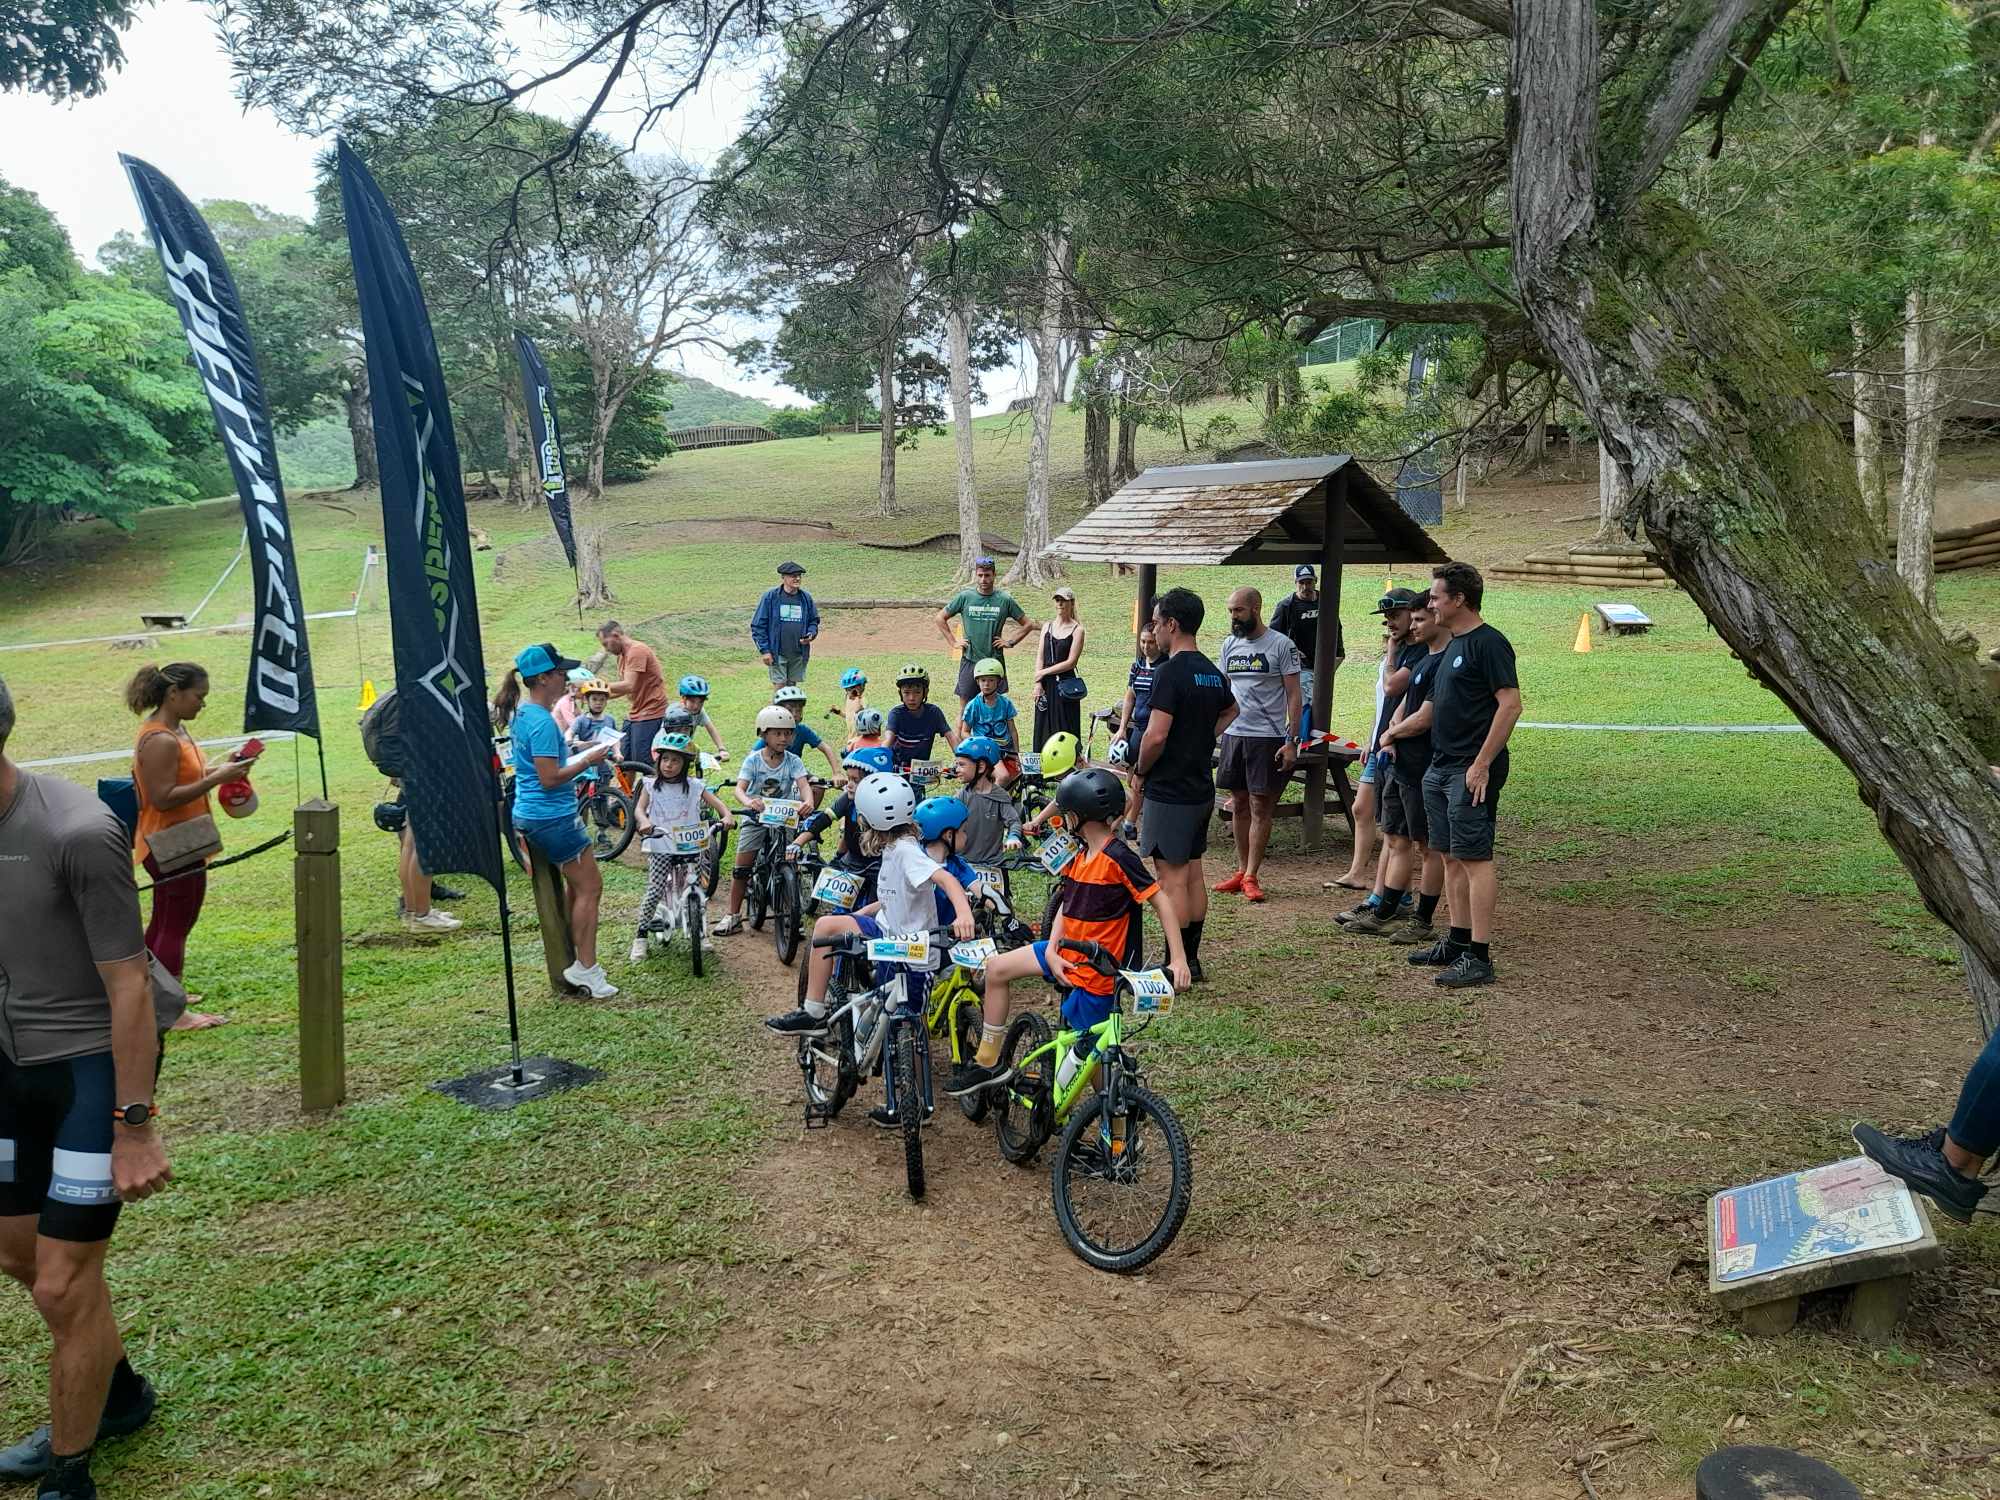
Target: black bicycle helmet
{"points": [[1093, 795]]}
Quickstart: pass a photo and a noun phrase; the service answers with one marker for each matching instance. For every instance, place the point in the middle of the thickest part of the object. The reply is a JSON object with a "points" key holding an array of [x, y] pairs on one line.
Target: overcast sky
{"points": [[173, 106]]}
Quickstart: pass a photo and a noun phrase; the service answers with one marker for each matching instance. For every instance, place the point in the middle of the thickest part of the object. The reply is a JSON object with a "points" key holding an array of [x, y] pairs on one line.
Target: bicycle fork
{"points": [[892, 1025]]}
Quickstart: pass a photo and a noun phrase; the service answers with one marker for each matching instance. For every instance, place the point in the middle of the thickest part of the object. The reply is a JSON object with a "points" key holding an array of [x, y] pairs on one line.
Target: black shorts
{"points": [[1402, 812], [967, 687], [1458, 826], [1176, 832], [55, 1146], [1250, 764]]}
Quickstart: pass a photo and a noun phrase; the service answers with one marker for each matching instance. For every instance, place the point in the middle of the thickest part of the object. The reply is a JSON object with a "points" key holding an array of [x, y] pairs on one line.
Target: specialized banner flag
{"points": [[447, 763], [280, 690], [541, 397]]}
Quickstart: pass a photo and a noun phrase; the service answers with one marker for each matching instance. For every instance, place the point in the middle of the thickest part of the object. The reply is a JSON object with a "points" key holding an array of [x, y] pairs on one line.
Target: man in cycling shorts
{"points": [[79, 1050]]}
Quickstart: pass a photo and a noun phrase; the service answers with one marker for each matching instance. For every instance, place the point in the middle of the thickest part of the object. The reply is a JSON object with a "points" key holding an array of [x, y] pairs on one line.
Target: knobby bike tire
{"points": [[609, 820], [1025, 1111], [1152, 1128], [718, 840], [785, 903], [910, 1106], [830, 1084], [696, 914], [966, 1019], [759, 896]]}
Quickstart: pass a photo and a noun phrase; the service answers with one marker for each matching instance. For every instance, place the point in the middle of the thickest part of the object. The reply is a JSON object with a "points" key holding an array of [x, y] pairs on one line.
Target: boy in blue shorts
{"points": [[1103, 889], [990, 713]]}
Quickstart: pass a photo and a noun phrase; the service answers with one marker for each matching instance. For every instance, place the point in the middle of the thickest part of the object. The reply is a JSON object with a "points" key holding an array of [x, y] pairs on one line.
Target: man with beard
{"points": [[1262, 741]]}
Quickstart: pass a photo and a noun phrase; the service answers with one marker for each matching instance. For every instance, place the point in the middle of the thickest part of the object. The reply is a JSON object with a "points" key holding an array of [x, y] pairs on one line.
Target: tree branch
{"points": [[1672, 102], [1745, 60], [1495, 15]]}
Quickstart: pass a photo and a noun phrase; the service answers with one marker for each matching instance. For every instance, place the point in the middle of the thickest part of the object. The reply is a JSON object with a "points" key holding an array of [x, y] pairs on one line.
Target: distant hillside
{"points": [[698, 402]]}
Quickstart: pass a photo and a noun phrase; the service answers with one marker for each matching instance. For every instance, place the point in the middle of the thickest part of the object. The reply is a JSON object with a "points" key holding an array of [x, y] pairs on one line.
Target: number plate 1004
{"points": [[836, 888]]}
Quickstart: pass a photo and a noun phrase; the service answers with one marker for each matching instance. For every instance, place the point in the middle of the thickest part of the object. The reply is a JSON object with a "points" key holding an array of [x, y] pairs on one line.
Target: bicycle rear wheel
{"points": [[508, 835], [696, 913], [1026, 1111], [785, 904], [910, 1106], [718, 840], [609, 821], [1121, 1186], [966, 1021]]}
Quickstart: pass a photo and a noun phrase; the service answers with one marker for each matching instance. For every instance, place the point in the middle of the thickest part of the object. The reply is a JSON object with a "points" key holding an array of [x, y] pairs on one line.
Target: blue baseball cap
{"points": [[532, 661]]}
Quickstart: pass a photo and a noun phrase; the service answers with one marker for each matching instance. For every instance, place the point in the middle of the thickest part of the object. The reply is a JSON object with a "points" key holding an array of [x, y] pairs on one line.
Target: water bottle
{"points": [[864, 1029]]}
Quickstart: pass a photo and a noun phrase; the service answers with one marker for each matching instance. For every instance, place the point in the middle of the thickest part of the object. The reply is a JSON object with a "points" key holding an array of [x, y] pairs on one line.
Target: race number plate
{"points": [[1058, 851], [1031, 763], [1152, 992], [915, 948], [986, 875], [837, 888], [780, 812], [974, 954], [925, 770], [687, 838]]}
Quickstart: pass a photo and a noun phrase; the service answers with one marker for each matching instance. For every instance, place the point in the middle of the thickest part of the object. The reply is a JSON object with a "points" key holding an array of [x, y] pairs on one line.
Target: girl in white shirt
{"points": [[669, 798]]}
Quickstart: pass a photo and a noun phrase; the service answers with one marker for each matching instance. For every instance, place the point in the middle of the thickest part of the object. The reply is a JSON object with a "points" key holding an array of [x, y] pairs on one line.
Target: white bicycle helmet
{"points": [[791, 693], [883, 802], [775, 718], [1119, 754]]}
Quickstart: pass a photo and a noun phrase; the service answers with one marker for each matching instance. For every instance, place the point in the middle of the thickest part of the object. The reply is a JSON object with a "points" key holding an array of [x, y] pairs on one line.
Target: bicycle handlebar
{"points": [[855, 941]]}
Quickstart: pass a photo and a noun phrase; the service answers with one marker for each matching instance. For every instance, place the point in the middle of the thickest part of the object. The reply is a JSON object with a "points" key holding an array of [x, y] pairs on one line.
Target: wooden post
{"points": [[1149, 586], [552, 916], [1333, 548], [316, 918]]}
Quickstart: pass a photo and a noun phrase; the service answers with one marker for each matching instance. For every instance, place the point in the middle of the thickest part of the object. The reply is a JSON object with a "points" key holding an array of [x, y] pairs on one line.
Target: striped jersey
{"points": [[1102, 896]]}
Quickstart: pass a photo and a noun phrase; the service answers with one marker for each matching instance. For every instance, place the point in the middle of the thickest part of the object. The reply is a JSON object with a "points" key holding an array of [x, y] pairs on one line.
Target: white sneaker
{"points": [[729, 926], [433, 921], [638, 953], [592, 979]]}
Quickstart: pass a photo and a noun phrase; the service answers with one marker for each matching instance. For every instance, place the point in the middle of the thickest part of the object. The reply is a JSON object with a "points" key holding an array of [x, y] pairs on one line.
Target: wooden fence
{"points": [[1974, 546], [720, 435]]}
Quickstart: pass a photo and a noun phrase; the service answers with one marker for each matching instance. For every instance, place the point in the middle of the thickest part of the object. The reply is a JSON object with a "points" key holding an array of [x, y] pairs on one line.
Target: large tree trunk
{"points": [[958, 330], [1096, 433], [1922, 420], [1035, 564], [1868, 472], [1612, 493], [521, 488], [885, 396], [592, 592], [1741, 475], [360, 427], [1126, 467]]}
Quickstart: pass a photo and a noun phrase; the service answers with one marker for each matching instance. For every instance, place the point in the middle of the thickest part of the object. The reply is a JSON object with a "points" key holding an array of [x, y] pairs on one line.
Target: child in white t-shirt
{"points": [[669, 798]]}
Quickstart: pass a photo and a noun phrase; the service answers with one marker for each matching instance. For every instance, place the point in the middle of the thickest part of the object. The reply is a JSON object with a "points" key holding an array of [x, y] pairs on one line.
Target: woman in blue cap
{"points": [[545, 804]]}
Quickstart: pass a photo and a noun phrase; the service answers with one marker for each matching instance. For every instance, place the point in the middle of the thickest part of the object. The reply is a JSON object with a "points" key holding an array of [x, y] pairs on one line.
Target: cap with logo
{"points": [[532, 661], [1303, 571], [1397, 599]]}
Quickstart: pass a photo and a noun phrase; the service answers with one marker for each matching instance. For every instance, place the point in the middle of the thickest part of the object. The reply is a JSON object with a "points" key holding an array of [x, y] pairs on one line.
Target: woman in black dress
{"points": [[1062, 649]]}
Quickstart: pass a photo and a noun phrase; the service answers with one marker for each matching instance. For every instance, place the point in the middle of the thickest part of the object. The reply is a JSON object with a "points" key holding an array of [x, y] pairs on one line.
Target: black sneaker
{"points": [[970, 1078], [1354, 913], [71, 1487], [800, 1022], [885, 1117], [443, 892], [1441, 954], [1918, 1161], [1467, 970], [1413, 929], [30, 1458], [1376, 923]]}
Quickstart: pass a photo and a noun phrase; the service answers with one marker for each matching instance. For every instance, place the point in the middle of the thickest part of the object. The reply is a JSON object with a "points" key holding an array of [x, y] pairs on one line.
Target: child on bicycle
{"points": [[992, 821], [694, 703], [869, 732], [940, 822], [990, 712], [593, 724], [853, 688], [888, 810], [792, 698], [916, 723], [1102, 891], [669, 798], [1059, 753], [850, 856], [769, 771]]}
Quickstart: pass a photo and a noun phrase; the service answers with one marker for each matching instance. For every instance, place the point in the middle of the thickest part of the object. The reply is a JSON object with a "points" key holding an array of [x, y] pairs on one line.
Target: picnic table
{"points": [[1320, 765]]}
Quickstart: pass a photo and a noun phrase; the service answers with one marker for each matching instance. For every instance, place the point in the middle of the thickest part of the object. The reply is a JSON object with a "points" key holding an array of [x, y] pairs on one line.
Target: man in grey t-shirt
{"points": [[78, 1048], [1259, 747]]}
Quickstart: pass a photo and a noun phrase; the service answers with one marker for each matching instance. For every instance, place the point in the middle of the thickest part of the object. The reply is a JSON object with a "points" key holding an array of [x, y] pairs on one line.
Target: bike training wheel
{"points": [[828, 1065], [718, 839], [1026, 1102], [695, 912], [965, 1021], [1121, 1208], [910, 1107], [785, 904], [609, 822]]}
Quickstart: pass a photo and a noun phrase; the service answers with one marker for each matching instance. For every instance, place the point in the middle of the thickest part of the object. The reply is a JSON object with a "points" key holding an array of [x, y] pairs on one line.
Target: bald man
{"points": [[1258, 748]]}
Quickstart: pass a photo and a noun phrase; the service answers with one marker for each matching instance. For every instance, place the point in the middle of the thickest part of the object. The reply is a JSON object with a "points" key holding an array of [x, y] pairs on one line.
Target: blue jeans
{"points": [[1975, 1124]]}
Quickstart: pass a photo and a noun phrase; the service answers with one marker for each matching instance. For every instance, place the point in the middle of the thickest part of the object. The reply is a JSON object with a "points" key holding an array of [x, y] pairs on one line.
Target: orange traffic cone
{"points": [[1582, 632]]}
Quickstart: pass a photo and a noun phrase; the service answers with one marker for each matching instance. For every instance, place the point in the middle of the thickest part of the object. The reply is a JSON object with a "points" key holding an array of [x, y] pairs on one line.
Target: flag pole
{"points": [[513, 1013]]}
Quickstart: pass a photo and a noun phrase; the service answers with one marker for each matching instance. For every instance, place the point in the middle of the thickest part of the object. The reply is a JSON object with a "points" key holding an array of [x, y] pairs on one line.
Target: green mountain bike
{"points": [[1123, 1177]]}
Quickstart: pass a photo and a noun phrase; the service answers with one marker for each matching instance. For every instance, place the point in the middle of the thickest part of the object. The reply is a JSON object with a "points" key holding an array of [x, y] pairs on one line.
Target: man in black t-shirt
{"points": [[1191, 706], [1406, 741], [1475, 703], [1297, 616]]}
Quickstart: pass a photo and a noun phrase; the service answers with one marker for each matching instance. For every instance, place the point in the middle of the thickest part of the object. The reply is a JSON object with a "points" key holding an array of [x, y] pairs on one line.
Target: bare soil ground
{"points": [[1441, 1246]]}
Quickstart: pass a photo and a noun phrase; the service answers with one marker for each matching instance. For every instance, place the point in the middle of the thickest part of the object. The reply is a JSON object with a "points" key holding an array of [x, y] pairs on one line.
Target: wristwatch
{"points": [[136, 1115]]}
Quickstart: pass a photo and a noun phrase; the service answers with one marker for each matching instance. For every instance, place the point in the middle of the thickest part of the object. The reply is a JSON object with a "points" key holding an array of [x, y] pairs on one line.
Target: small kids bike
{"points": [[688, 847]]}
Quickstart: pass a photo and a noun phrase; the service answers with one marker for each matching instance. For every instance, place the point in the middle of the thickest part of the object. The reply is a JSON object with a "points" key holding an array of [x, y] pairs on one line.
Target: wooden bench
{"points": [[1318, 766]]}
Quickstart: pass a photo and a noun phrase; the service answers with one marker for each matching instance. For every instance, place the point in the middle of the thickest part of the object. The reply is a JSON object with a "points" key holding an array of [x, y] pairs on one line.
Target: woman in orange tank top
{"points": [[173, 782]]}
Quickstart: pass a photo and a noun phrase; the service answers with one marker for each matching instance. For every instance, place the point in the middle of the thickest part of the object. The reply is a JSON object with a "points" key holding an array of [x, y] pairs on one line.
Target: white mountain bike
{"points": [[683, 911]]}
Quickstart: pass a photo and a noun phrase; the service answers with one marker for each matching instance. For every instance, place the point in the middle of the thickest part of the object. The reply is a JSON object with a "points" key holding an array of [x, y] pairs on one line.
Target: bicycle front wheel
{"points": [[609, 821], [910, 1106], [1122, 1179], [785, 908], [966, 1021], [696, 912], [1027, 1100]]}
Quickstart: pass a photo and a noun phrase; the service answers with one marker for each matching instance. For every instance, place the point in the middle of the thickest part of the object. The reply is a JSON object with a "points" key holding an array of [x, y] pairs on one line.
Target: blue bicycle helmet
{"points": [[693, 686], [936, 814], [874, 759], [979, 747], [853, 678]]}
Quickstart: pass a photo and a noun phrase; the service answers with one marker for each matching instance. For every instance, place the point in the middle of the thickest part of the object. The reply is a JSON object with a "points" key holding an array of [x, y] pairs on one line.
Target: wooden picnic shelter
{"points": [[1327, 511]]}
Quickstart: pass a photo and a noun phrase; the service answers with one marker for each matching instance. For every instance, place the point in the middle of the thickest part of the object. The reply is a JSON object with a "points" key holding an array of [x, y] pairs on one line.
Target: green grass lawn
{"points": [[408, 1297]]}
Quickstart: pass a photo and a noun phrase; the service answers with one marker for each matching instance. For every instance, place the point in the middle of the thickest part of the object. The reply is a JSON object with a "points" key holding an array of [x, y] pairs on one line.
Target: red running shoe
{"points": [[1230, 886], [1251, 890]]}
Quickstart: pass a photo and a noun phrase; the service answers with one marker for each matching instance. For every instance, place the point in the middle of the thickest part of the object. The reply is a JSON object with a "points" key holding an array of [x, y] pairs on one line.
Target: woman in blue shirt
{"points": [[545, 804]]}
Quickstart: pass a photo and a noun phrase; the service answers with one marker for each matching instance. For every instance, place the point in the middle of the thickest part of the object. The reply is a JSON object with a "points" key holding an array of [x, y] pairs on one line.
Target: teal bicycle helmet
{"points": [[693, 686], [853, 678]]}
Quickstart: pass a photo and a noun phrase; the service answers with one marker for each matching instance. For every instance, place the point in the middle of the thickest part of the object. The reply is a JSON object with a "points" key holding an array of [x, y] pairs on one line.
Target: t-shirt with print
{"points": [[1476, 666], [1393, 660], [1191, 688], [995, 719], [1413, 752], [767, 780], [669, 805], [535, 734], [1299, 619], [902, 887], [1102, 896], [1140, 680], [803, 738], [641, 663], [67, 890], [1257, 667], [911, 735], [982, 615]]}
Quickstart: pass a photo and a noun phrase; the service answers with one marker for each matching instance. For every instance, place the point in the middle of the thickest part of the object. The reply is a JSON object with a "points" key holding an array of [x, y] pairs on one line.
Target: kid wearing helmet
{"points": [[668, 798], [853, 699], [868, 731], [1059, 753], [858, 765], [916, 723], [770, 770], [1103, 889], [792, 698], [941, 824], [571, 703], [888, 811], [992, 821], [989, 713], [693, 689], [593, 721]]}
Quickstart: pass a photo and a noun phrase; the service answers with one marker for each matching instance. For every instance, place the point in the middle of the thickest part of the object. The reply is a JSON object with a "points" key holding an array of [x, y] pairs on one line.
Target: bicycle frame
{"points": [[898, 1010], [1107, 1046]]}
